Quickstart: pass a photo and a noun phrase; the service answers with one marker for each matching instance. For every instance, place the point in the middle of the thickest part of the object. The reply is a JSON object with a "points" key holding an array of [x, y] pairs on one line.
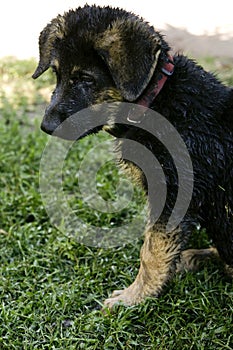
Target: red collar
{"points": [[154, 88]]}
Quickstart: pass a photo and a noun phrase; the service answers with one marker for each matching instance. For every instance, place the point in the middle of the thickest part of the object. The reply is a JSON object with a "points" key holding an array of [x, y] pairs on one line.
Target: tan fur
{"points": [[55, 30], [122, 65], [133, 172], [192, 258], [109, 95], [111, 37], [55, 63], [75, 69], [111, 41], [157, 266]]}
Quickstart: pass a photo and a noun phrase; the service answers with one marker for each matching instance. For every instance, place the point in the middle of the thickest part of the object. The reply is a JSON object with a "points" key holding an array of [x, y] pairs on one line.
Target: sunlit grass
{"points": [[51, 286]]}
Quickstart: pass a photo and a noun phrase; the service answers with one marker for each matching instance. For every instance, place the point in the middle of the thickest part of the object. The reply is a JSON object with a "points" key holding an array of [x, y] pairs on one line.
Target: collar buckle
{"points": [[166, 71]]}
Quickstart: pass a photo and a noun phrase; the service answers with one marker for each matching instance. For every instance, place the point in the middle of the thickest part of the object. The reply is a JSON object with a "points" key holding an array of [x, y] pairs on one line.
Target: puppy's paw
{"points": [[127, 297], [117, 297]]}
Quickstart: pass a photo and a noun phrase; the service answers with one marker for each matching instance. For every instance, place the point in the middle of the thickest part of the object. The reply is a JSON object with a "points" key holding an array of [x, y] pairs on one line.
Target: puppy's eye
{"points": [[81, 78], [87, 78]]}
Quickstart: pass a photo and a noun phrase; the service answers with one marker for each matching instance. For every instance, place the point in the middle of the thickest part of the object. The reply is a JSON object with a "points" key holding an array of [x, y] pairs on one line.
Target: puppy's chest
{"points": [[133, 172]]}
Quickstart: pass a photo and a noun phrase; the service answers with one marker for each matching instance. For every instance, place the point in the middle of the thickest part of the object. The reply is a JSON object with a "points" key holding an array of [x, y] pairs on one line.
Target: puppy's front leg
{"points": [[158, 258]]}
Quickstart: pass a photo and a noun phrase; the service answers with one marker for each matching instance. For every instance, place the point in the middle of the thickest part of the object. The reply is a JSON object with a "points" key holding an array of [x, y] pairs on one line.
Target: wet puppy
{"points": [[110, 55]]}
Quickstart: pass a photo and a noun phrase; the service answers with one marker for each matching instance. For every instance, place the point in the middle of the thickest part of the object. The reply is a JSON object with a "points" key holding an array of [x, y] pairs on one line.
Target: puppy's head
{"points": [[98, 54]]}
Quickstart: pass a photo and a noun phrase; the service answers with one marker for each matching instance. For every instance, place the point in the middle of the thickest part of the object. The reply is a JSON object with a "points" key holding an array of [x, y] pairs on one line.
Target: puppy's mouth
{"points": [[70, 134], [85, 122], [69, 129]]}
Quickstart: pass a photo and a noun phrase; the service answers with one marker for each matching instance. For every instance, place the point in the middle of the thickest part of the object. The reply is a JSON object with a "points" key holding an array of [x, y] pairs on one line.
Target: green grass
{"points": [[51, 286]]}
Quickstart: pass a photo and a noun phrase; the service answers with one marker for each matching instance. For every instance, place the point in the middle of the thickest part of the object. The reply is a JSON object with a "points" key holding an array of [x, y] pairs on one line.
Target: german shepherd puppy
{"points": [[110, 55]]}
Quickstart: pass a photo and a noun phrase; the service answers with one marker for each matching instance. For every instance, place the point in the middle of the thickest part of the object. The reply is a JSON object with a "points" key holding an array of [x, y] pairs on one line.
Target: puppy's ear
{"points": [[53, 31], [130, 48]]}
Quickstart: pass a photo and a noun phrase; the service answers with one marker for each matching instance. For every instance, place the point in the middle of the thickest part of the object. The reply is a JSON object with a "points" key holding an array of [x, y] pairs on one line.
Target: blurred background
{"points": [[197, 27]]}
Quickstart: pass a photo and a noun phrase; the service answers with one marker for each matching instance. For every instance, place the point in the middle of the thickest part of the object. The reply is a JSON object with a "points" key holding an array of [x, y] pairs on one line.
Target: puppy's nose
{"points": [[49, 125], [45, 128]]}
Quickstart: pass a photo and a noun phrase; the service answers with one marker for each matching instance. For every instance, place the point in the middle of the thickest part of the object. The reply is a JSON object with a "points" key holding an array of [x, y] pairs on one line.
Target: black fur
{"points": [[200, 108], [114, 51]]}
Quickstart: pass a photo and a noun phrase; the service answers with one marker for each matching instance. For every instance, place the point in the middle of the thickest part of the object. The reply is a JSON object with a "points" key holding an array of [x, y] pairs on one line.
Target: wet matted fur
{"points": [[105, 54]]}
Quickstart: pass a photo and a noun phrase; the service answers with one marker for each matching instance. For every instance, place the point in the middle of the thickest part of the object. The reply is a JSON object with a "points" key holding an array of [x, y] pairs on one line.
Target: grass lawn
{"points": [[51, 286]]}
